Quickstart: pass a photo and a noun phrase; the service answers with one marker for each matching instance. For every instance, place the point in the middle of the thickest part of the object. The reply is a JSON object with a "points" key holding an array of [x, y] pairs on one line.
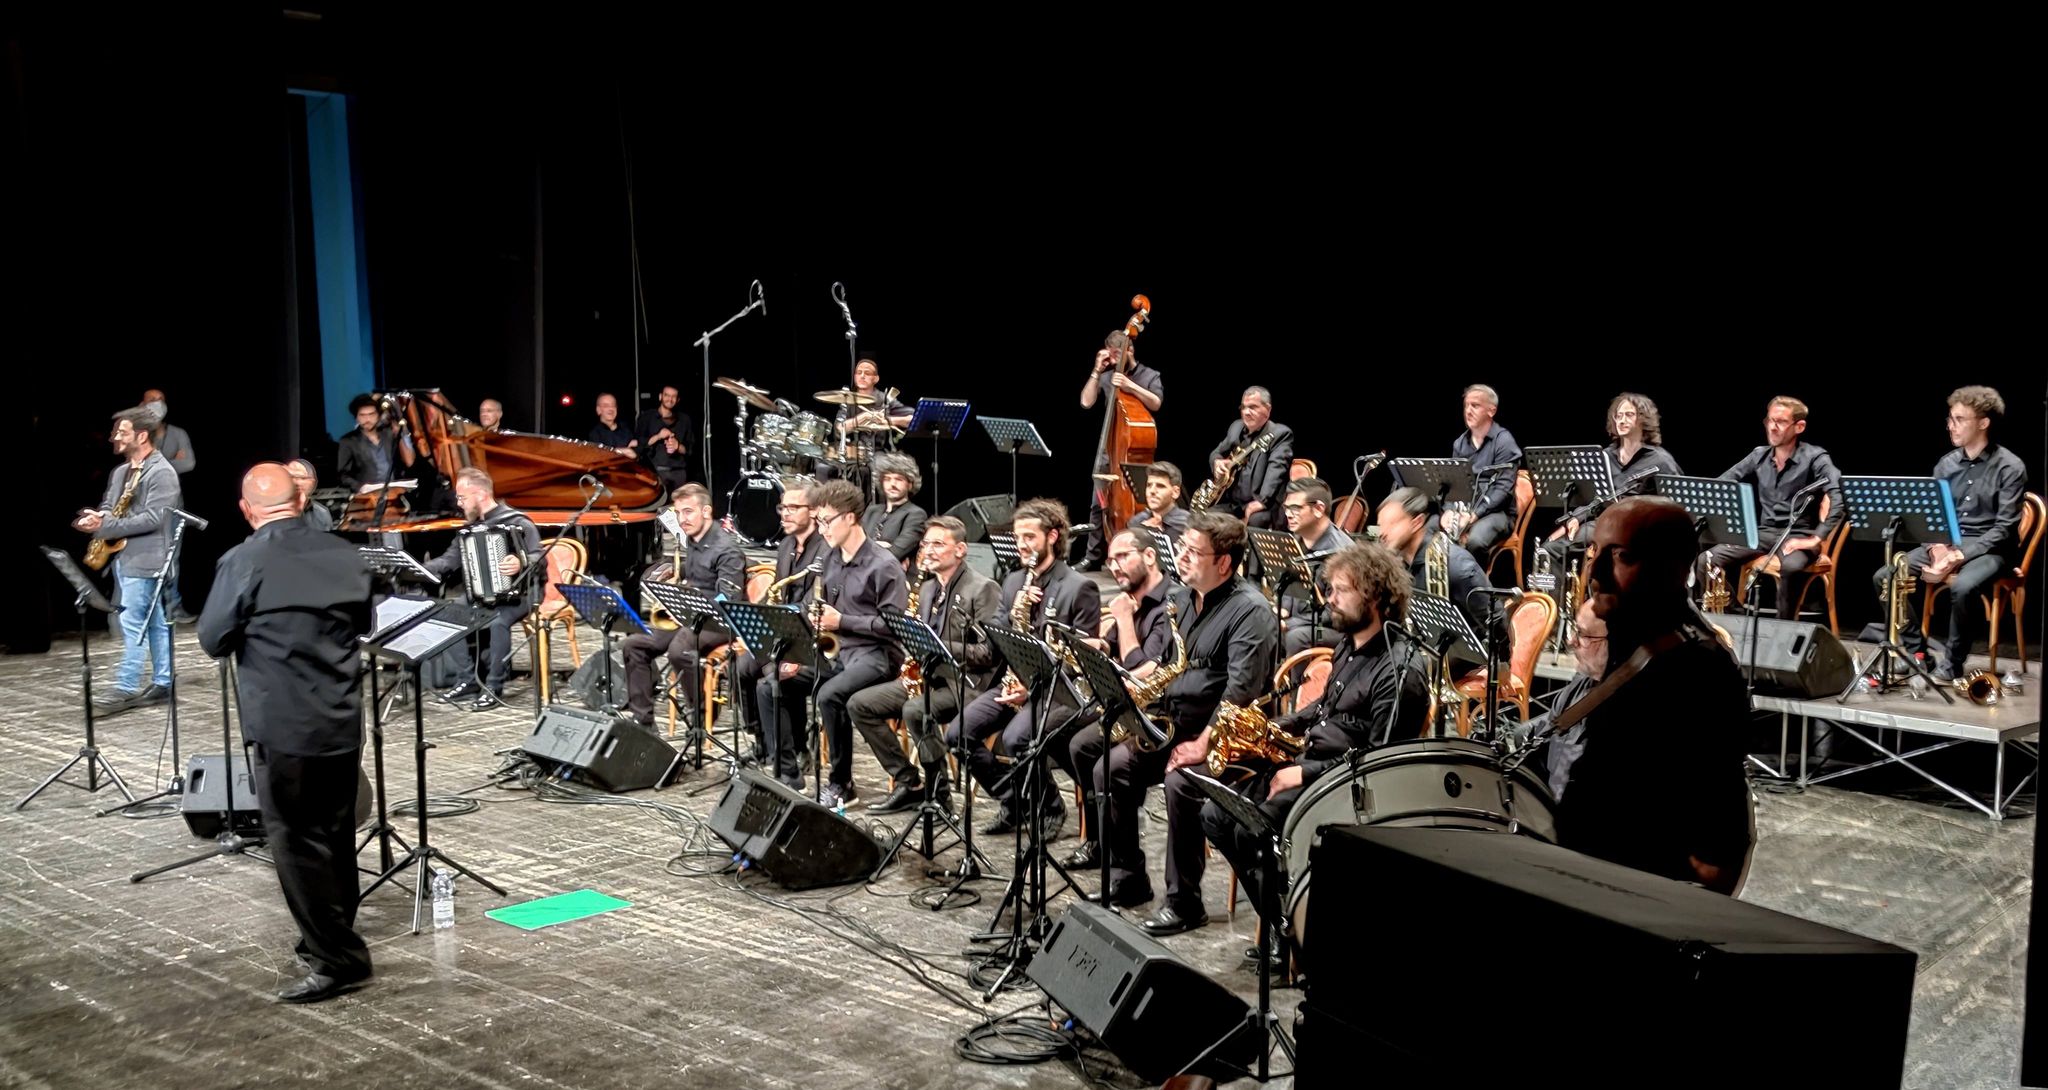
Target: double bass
{"points": [[1129, 437]]}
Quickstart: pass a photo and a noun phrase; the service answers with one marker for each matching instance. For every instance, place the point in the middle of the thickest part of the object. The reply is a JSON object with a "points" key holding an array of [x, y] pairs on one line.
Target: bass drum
{"points": [[750, 508], [1421, 783]]}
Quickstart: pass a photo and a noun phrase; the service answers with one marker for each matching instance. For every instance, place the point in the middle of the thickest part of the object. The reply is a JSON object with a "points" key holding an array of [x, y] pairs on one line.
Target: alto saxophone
{"points": [[100, 550], [1020, 619], [1159, 732], [912, 675]]}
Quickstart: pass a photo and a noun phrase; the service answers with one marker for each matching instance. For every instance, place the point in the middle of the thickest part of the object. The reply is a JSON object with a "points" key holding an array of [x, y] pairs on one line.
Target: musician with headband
{"points": [[1495, 456], [477, 497], [1307, 507], [1635, 456], [1116, 370], [712, 565]]}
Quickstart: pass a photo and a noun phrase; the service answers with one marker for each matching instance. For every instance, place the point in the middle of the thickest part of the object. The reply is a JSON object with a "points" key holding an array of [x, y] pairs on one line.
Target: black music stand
{"points": [[930, 654], [1036, 670], [1913, 510], [1263, 1023], [1106, 682], [936, 419], [1446, 480], [392, 565], [391, 615], [1135, 475], [1725, 511], [1282, 559], [1444, 626], [1005, 548], [596, 604], [778, 634], [1562, 475], [693, 609], [409, 643], [1014, 437], [95, 762]]}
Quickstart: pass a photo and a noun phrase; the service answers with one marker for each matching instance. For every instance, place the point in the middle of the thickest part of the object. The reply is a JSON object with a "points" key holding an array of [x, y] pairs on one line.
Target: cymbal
{"points": [[752, 395], [844, 397]]}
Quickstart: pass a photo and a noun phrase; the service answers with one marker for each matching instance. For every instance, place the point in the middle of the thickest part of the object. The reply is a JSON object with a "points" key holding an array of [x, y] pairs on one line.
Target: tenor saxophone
{"points": [[1020, 619], [1150, 690], [912, 675], [828, 642]]}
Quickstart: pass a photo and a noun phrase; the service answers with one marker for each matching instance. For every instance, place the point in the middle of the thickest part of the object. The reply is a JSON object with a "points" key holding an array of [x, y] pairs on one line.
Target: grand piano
{"points": [[542, 476]]}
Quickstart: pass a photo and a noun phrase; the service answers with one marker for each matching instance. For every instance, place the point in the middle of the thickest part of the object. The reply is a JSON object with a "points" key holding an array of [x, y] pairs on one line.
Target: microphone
{"points": [[603, 489], [190, 517], [1810, 489], [761, 297], [1512, 594]]}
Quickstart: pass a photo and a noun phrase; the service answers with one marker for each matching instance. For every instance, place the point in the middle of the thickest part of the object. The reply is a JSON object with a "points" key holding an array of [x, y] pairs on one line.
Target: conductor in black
{"points": [[290, 604]]}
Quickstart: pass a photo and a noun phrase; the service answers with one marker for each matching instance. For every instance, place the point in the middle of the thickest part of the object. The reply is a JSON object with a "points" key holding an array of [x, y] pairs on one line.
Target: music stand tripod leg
{"points": [[229, 842]]}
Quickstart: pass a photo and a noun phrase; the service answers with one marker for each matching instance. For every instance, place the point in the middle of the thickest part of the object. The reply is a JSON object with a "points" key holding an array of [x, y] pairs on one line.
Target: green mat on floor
{"points": [[561, 908]]}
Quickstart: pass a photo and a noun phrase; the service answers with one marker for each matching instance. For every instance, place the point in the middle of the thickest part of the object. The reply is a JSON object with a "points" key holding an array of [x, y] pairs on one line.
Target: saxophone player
{"points": [[1138, 634], [954, 600], [1044, 588], [778, 701], [1377, 692], [859, 581]]}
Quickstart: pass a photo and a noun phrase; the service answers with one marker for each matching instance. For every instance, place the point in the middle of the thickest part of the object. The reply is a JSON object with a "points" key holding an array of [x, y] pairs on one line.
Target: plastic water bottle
{"points": [[444, 899]]}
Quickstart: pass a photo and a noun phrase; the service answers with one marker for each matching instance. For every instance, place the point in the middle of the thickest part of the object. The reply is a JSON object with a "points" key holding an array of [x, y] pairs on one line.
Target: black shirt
{"points": [[359, 462], [1630, 478], [1493, 464], [1263, 477], [1173, 525], [449, 563], [899, 530], [789, 560], [1465, 577], [859, 589], [1775, 488], [1070, 598], [956, 611], [1988, 491], [1155, 635], [1139, 373], [1352, 712], [1232, 644], [713, 563], [657, 454], [290, 603], [615, 436]]}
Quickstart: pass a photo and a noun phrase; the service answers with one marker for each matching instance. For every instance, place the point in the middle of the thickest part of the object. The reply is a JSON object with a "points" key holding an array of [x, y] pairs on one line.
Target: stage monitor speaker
{"points": [[204, 805], [587, 683], [791, 839], [1662, 982], [607, 752], [1793, 658], [1147, 1006]]}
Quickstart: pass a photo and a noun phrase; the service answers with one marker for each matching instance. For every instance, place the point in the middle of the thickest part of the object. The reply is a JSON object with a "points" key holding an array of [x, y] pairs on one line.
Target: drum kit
{"points": [[785, 441]]}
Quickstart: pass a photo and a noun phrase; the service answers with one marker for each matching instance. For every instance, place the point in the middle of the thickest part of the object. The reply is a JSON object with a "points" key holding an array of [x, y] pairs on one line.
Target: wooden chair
{"points": [[1301, 467], [719, 659], [1511, 545], [565, 559], [1822, 571], [2010, 589], [1529, 628]]}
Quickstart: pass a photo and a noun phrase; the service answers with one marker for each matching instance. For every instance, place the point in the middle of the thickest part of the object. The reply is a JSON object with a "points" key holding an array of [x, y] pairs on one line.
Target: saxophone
{"points": [[773, 595], [1242, 732], [1903, 584], [912, 675], [99, 551], [1150, 690], [828, 643], [1020, 619]]}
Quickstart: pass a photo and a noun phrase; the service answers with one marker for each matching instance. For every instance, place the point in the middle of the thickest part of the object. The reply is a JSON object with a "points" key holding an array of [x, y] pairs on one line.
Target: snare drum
{"points": [[1424, 782], [771, 433], [810, 434]]}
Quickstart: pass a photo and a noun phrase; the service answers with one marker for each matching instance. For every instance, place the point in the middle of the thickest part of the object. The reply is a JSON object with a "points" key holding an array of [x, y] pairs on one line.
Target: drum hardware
{"points": [[844, 397]]}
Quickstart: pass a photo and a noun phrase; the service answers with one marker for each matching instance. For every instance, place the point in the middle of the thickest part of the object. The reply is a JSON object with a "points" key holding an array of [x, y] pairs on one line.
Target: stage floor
{"points": [[169, 982]]}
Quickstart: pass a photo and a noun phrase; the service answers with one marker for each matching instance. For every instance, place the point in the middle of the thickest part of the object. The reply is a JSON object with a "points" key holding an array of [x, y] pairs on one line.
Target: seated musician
{"points": [[1136, 634], [1790, 477], [1495, 456], [1056, 592], [896, 524], [1553, 760], [1378, 692], [1256, 486], [1307, 506], [1635, 455], [1403, 519], [860, 580], [778, 702], [1988, 483], [1163, 514], [475, 494], [1117, 370], [954, 600], [712, 565], [866, 378], [1231, 640]]}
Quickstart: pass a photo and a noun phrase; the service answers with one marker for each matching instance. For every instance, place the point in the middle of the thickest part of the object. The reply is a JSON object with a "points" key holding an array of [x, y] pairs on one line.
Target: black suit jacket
{"points": [[957, 613], [1264, 476], [1071, 598]]}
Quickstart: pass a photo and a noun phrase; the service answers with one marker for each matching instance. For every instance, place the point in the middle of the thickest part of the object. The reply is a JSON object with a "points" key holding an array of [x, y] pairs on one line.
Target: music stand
{"points": [[778, 634], [693, 609], [1005, 548], [394, 563], [1106, 681], [95, 762], [1281, 557], [1014, 437], [1725, 511], [1263, 1022], [929, 652], [1562, 474], [1915, 510], [599, 605], [1446, 480], [1444, 625], [409, 643], [936, 419], [391, 614]]}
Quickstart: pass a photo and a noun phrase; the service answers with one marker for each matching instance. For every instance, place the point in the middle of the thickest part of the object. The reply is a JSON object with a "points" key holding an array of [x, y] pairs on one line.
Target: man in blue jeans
{"points": [[136, 513]]}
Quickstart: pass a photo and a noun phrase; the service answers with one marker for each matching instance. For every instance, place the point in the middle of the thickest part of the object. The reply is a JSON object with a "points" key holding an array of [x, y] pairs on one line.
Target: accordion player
{"points": [[496, 533]]}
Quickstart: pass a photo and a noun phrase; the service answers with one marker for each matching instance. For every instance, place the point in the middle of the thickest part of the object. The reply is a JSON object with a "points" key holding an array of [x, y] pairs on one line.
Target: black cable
{"points": [[438, 806]]}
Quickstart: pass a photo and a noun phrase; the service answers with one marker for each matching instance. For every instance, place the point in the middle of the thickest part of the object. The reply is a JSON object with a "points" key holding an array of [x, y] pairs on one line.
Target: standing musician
{"points": [[1635, 454], [954, 600], [778, 702], [1987, 482], [289, 603], [861, 579], [712, 565], [136, 512], [896, 524], [1137, 634], [1307, 506], [1495, 456], [1163, 514], [663, 433], [475, 494], [1783, 470], [1116, 369], [1378, 692], [1687, 768], [1231, 643], [376, 451], [1403, 519], [1055, 592], [1255, 491]]}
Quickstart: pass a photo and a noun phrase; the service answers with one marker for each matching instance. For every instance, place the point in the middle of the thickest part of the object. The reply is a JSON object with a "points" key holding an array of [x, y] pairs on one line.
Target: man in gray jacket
{"points": [[142, 527]]}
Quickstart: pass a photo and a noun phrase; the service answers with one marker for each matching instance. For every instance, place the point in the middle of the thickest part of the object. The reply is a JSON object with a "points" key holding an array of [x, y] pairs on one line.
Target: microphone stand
{"points": [[756, 300], [175, 790], [1749, 596], [540, 631]]}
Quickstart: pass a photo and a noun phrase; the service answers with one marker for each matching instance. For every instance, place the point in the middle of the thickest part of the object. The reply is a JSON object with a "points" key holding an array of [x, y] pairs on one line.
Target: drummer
{"points": [[866, 378], [1377, 692]]}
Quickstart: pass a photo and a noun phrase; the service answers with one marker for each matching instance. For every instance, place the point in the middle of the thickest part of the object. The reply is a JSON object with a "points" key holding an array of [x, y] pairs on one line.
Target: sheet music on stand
{"points": [[690, 607], [1728, 508], [937, 418], [1431, 617], [385, 560], [1447, 480], [1924, 508], [1281, 551], [596, 604], [426, 633], [778, 632], [395, 611], [1012, 436], [1570, 476], [1106, 681]]}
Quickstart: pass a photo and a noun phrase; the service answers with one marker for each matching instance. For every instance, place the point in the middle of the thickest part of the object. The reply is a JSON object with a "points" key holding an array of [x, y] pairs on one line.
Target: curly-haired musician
{"points": [[1635, 454], [896, 524]]}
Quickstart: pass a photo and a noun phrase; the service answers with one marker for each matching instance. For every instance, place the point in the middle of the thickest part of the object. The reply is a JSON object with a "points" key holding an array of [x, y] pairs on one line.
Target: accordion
{"points": [[482, 547]]}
